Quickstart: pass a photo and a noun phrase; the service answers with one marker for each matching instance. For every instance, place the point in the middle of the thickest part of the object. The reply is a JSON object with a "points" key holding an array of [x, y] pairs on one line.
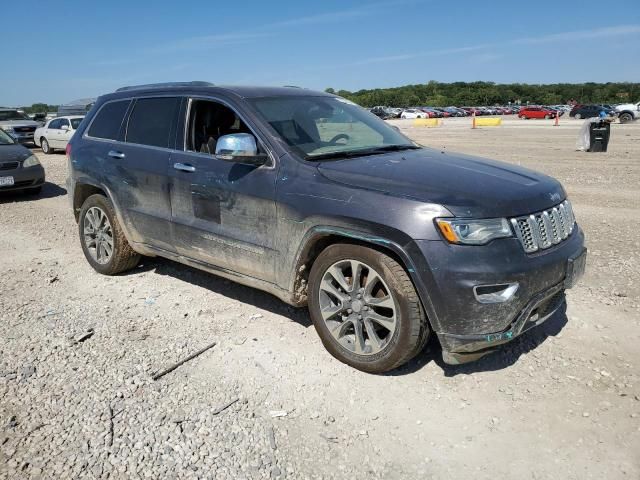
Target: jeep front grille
{"points": [[544, 229]]}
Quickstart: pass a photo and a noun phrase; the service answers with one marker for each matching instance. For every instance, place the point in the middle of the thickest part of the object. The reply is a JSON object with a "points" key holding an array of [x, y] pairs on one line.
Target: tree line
{"points": [[39, 108], [439, 94]]}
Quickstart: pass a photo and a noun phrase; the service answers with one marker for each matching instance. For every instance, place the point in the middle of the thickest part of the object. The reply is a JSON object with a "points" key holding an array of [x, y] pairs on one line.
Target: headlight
{"points": [[9, 130], [31, 161], [473, 232]]}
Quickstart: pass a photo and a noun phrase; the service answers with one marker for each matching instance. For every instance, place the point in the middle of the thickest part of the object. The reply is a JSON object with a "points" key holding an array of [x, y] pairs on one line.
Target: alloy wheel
{"points": [[98, 235], [45, 146], [357, 307]]}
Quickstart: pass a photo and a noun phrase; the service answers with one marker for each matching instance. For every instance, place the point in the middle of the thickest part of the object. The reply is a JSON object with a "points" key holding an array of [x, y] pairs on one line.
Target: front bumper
{"points": [[468, 329], [24, 178], [22, 137], [458, 349]]}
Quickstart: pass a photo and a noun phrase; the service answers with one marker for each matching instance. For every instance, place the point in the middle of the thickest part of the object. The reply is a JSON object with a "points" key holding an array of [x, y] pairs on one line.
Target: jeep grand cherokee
{"points": [[311, 198]]}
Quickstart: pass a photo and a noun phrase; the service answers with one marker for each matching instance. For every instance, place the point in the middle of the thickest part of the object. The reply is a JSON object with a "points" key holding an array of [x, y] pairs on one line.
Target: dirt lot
{"points": [[562, 401]]}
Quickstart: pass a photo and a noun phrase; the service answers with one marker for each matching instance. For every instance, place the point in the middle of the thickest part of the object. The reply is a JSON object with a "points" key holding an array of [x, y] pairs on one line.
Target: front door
{"points": [[223, 213]]}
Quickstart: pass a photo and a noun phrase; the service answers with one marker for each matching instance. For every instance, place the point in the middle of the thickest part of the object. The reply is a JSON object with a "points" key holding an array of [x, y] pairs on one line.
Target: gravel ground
{"points": [[78, 351]]}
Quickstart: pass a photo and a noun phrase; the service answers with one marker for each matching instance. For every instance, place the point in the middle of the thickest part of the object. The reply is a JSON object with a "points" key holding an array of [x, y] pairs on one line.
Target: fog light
{"points": [[498, 293]]}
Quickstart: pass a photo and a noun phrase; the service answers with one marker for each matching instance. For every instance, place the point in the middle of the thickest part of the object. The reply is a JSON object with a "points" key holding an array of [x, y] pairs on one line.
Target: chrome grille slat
{"points": [[544, 229]]}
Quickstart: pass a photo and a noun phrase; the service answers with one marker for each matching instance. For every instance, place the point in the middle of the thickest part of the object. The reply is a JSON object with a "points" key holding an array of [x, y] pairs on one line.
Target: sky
{"points": [[90, 48]]}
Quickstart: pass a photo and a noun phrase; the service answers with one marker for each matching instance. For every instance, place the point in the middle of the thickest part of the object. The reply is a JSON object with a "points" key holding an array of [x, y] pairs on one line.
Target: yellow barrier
{"points": [[427, 122], [488, 122]]}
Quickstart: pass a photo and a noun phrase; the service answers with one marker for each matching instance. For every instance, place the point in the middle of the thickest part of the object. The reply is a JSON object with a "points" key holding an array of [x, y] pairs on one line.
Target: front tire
{"points": [[103, 242], [365, 308], [44, 144], [578, 116]]}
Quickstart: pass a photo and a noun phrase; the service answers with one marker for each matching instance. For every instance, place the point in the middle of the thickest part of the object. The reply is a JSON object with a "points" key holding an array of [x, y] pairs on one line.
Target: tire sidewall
{"points": [[401, 340], [104, 204], [44, 142]]}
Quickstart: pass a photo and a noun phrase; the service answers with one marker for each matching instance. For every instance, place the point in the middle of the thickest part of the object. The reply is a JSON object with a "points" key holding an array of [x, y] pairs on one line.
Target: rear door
{"points": [[51, 131], [141, 161]]}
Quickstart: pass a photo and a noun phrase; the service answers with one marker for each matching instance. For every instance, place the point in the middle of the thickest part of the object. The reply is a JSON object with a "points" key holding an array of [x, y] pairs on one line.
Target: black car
{"points": [[309, 197], [19, 168], [589, 111]]}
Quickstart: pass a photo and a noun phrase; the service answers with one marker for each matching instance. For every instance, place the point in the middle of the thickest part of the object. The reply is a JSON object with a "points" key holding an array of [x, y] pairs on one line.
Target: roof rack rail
{"points": [[196, 83]]}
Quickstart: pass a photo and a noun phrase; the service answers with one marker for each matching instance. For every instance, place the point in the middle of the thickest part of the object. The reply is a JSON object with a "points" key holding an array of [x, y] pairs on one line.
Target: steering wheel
{"points": [[340, 136]]}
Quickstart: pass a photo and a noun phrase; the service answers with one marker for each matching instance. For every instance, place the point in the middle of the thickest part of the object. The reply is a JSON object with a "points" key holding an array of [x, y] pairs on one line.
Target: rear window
{"points": [[108, 120], [151, 120]]}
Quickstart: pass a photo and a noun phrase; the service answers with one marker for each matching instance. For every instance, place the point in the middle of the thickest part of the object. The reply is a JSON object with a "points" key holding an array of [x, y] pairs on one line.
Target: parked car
{"points": [[56, 133], [382, 112], [473, 111], [589, 111], [431, 112], [456, 112], [18, 125], [290, 191], [19, 168], [537, 112], [628, 112], [413, 113]]}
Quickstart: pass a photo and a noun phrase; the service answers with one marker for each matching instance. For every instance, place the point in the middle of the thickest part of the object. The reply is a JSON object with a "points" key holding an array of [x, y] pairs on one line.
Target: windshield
{"points": [[12, 115], [328, 127], [75, 122], [5, 139]]}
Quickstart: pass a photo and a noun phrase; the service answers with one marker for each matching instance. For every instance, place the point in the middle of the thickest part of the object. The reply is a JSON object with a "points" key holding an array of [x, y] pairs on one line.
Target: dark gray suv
{"points": [[309, 197]]}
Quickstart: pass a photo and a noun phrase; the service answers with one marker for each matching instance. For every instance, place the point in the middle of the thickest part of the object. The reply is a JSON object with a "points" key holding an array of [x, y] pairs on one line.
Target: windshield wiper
{"points": [[362, 153]]}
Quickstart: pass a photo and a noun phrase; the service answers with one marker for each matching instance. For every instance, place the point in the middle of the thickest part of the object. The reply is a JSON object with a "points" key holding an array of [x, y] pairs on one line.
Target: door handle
{"points": [[116, 154], [184, 167]]}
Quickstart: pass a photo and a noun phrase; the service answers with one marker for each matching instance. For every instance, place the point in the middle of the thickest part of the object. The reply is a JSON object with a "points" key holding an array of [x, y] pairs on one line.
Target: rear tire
{"points": [[578, 116], [377, 322], [625, 117], [44, 144], [103, 242]]}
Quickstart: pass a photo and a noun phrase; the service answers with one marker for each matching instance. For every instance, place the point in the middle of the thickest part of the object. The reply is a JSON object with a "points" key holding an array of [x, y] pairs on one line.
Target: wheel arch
{"points": [[317, 239], [81, 192]]}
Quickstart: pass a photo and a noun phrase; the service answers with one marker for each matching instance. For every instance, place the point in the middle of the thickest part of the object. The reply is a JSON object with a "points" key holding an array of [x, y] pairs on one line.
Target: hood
{"points": [[12, 153], [467, 186], [20, 123]]}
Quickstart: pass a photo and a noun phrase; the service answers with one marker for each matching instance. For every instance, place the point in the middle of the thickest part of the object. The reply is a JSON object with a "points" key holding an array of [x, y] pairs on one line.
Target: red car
{"points": [[537, 112]]}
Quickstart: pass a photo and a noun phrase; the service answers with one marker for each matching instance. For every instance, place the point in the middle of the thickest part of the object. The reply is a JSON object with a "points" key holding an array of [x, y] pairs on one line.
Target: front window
{"points": [[328, 127], [12, 115], [5, 139]]}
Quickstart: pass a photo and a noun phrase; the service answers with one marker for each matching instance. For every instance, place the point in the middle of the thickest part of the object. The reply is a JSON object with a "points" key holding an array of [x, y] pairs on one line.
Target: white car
{"points": [[56, 133], [412, 113]]}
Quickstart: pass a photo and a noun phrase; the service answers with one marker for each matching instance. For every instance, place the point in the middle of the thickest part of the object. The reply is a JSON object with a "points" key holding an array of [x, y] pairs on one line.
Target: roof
{"points": [[210, 88], [69, 117]]}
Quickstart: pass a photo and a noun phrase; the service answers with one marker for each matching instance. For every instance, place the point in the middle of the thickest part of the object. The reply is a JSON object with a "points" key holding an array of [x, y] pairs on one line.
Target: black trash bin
{"points": [[599, 133]]}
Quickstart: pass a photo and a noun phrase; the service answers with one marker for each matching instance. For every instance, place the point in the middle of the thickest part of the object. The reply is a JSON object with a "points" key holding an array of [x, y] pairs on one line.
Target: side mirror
{"points": [[64, 127], [239, 148]]}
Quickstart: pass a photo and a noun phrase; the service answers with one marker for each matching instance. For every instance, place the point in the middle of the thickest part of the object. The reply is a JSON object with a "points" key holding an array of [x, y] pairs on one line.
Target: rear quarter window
{"points": [[108, 120], [151, 121]]}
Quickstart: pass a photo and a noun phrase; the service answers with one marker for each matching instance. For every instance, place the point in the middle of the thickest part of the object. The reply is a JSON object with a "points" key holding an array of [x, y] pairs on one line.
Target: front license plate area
{"points": [[575, 269], [6, 181]]}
